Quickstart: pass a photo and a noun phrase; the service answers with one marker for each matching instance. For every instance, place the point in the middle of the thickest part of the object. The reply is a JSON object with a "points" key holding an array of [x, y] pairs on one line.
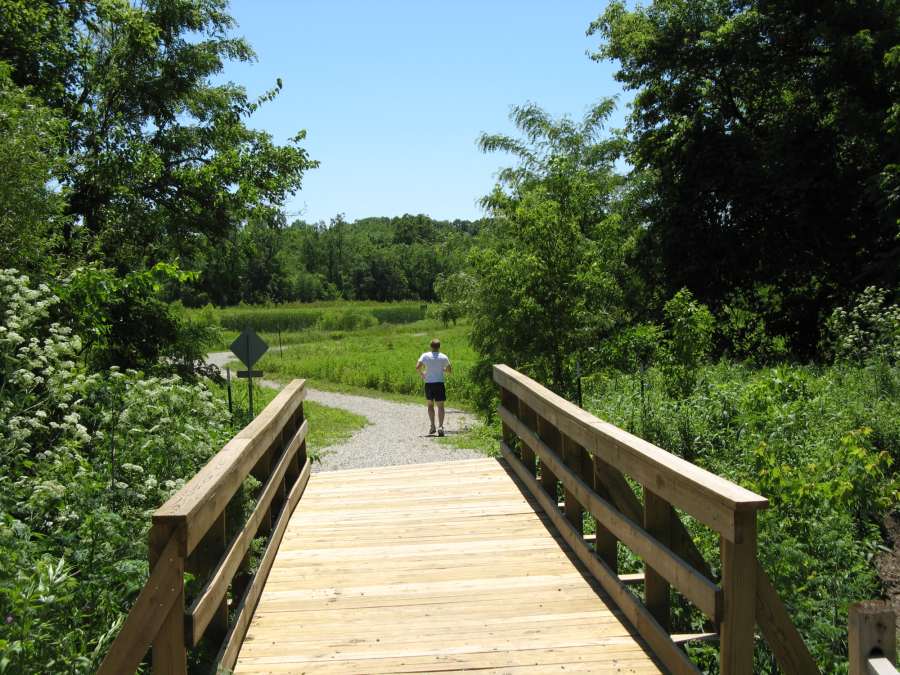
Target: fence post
{"points": [[658, 515], [872, 629], [169, 649], [739, 591]]}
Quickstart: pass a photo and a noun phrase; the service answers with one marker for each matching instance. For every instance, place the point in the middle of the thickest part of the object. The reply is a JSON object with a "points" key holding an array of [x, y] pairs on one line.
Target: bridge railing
{"points": [[589, 460], [189, 535], [872, 632]]}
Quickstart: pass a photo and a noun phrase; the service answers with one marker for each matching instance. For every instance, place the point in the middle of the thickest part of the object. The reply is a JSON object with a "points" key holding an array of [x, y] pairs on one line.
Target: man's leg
{"points": [[440, 407], [431, 414]]}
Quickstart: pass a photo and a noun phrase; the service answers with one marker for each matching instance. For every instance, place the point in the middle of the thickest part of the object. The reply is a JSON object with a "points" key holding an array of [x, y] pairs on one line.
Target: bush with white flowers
{"points": [[84, 460]]}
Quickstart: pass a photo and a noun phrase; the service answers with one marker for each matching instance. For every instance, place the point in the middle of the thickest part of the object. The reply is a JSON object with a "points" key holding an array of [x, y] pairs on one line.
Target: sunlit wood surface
{"points": [[440, 567]]}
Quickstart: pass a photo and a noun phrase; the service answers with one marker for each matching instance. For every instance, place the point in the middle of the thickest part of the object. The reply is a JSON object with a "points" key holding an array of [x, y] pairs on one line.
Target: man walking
{"points": [[431, 366]]}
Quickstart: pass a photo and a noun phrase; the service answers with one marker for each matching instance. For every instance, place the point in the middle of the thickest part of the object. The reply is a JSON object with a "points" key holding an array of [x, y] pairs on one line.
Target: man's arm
{"points": [[448, 368], [419, 368]]}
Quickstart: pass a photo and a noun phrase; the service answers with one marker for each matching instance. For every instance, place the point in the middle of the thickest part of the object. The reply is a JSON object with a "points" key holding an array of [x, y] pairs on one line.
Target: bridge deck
{"points": [[431, 568]]}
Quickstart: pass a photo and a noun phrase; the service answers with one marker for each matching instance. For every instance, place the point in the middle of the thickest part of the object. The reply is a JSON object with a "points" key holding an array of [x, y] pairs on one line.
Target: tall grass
{"points": [[382, 358], [328, 315]]}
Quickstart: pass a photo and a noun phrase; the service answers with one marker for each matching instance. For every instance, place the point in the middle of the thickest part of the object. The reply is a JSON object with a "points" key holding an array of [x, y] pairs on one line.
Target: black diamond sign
{"points": [[249, 347]]}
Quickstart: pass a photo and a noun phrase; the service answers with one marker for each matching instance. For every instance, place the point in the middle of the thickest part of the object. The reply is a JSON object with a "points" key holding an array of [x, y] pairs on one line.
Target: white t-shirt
{"points": [[435, 364]]}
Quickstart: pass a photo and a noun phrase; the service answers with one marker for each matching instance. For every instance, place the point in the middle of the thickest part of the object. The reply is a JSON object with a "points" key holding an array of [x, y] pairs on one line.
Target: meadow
{"points": [[368, 357]]}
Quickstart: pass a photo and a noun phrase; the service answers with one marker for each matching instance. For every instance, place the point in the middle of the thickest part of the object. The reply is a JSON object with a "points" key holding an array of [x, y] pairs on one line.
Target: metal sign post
{"points": [[249, 348]]}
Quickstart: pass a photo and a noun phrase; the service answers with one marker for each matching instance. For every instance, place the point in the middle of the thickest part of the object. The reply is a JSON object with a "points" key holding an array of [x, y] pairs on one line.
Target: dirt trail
{"points": [[396, 433]]}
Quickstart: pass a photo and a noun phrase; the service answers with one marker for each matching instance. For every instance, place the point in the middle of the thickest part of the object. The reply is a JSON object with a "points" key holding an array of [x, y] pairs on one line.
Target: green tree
{"points": [[769, 132], [549, 278], [30, 144], [159, 160]]}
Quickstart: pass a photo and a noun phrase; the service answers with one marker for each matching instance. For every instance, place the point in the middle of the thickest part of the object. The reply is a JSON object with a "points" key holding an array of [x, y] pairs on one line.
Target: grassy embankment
{"points": [[358, 348]]}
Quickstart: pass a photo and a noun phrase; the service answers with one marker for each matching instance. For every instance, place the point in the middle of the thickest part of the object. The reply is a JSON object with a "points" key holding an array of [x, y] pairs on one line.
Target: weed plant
{"points": [[822, 444]]}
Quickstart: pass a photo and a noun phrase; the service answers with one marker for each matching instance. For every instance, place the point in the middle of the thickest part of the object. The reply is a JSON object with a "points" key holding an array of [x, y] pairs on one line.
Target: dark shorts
{"points": [[435, 391]]}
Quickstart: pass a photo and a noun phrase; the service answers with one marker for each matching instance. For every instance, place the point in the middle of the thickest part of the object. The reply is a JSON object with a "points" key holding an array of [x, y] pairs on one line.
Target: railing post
{"points": [[872, 629], [572, 457], [529, 419], [739, 591], [169, 649], [658, 517]]}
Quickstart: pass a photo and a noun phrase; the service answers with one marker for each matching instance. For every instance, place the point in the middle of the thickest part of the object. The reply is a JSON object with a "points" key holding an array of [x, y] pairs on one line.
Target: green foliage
{"points": [[868, 330], [380, 358], [384, 259], [821, 444], [84, 458], [689, 332], [454, 293], [126, 323], [302, 317], [745, 322], [351, 319], [30, 211], [768, 135], [159, 159], [549, 277]]}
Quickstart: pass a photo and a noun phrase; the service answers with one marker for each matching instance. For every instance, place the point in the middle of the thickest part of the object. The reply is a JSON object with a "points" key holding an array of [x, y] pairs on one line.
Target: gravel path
{"points": [[396, 433]]}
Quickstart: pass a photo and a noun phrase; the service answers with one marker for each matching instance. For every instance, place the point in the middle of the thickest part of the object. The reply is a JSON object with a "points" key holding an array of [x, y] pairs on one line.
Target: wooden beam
{"points": [[779, 631], [656, 637], [657, 521], [169, 656]]}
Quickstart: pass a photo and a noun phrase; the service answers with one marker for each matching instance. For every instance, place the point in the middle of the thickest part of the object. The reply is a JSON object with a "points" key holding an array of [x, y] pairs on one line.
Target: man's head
{"points": [[435, 345]]}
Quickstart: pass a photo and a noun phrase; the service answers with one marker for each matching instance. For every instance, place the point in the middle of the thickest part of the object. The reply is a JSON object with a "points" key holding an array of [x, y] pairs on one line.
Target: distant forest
{"points": [[369, 259]]}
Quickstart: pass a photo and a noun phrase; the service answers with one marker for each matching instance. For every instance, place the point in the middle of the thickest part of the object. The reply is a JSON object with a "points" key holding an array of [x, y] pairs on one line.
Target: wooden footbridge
{"points": [[478, 565]]}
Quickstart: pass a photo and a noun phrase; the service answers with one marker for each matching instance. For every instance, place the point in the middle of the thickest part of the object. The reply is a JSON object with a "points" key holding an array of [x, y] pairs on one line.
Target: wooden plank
{"points": [[213, 594], [648, 627], [693, 585], [146, 616], [657, 518], [228, 654], [202, 564], [197, 505], [482, 599], [880, 665], [739, 565], [781, 635], [872, 632], [706, 496]]}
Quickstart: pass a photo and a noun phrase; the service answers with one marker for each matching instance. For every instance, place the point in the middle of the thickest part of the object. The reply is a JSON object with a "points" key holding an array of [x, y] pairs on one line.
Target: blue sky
{"points": [[394, 94]]}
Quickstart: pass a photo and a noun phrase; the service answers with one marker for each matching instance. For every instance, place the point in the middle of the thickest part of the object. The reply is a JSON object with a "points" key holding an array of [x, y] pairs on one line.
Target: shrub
{"points": [[84, 459], [869, 330], [348, 319]]}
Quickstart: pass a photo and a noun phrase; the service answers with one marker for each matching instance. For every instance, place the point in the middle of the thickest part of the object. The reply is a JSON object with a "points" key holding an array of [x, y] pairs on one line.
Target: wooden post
{"points": [[572, 457], [511, 403], [872, 632], [658, 517], [550, 435], [301, 454], [261, 472], [739, 591], [605, 545], [528, 417], [169, 650]]}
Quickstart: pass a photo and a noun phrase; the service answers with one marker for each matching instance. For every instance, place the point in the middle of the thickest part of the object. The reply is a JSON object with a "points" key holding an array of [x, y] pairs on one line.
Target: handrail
{"points": [[189, 535], [590, 459]]}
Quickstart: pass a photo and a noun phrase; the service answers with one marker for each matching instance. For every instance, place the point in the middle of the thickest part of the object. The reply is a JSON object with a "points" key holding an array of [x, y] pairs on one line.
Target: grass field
{"points": [[375, 359]]}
